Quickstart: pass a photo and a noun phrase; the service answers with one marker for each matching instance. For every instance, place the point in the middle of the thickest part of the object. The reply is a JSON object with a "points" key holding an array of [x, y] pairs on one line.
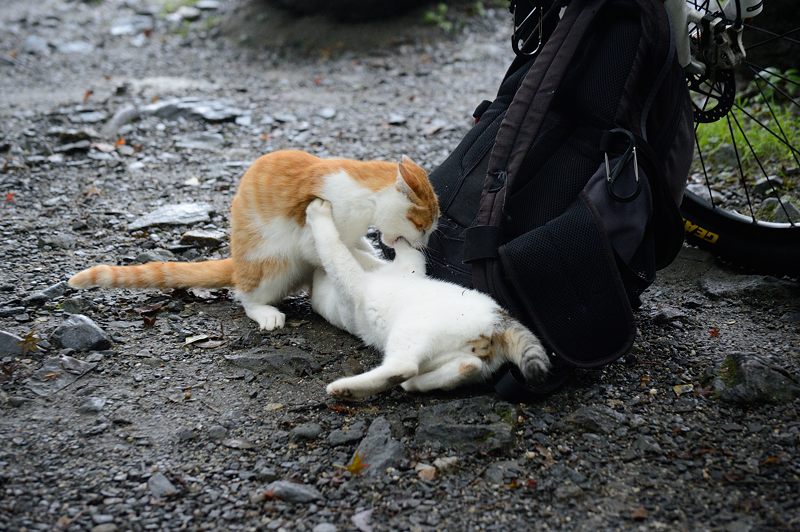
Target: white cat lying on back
{"points": [[433, 334]]}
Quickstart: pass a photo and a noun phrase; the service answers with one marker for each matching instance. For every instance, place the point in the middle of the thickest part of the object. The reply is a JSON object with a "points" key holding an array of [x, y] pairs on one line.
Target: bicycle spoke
{"points": [[777, 121], [761, 167], [775, 37], [774, 86], [741, 170], [771, 73], [705, 172], [760, 123]]}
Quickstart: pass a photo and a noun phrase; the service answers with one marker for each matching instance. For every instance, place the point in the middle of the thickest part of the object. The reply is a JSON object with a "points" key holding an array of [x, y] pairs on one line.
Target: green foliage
{"points": [[437, 16], [170, 6], [766, 118]]}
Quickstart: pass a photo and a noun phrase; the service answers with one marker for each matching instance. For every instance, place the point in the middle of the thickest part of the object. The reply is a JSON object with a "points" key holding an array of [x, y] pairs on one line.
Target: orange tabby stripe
{"points": [[206, 274]]}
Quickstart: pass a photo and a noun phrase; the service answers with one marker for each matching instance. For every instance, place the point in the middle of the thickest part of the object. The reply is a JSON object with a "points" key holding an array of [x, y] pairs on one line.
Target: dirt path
{"points": [[183, 415]]}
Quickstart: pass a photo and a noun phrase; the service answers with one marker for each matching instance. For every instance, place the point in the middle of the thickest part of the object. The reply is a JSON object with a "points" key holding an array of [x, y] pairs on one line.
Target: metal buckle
{"points": [[526, 27], [627, 156]]}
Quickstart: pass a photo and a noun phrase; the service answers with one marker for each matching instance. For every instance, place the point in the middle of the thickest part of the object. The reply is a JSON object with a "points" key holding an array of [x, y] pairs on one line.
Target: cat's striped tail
{"points": [[205, 274], [523, 348]]}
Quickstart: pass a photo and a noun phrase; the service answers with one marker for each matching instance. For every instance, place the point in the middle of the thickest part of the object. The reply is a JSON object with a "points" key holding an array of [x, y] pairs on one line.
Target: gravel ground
{"points": [[126, 410]]}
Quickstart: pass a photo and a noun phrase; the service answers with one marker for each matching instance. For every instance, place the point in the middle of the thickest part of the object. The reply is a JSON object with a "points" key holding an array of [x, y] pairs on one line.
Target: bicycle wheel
{"points": [[743, 197]]}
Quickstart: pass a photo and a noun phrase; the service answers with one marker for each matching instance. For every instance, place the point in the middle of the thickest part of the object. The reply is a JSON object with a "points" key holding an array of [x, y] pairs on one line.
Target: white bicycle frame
{"points": [[682, 15]]}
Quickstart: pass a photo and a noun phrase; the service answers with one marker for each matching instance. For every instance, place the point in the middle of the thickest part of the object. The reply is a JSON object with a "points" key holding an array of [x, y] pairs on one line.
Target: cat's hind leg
{"points": [[462, 369], [262, 284], [371, 382]]}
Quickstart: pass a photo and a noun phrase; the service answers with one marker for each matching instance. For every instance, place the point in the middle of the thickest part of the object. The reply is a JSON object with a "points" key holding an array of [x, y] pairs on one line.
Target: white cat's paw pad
{"points": [[339, 391], [268, 318], [409, 386], [319, 208]]}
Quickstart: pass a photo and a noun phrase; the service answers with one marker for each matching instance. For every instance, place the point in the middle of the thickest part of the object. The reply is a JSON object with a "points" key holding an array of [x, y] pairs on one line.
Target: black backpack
{"points": [[562, 201]]}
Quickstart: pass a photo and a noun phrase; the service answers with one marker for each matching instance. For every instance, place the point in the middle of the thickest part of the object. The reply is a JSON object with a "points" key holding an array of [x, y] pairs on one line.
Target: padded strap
{"points": [[481, 242]]}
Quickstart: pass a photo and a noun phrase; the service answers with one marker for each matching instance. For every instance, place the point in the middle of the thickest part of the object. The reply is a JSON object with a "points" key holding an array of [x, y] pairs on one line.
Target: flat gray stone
{"points": [[57, 373], [197, 108], [306, 431], [176, 214], [343, 436], [88, 117], [720, 284], [286, 361], [288, 491], [746, 378], [124, 115], [10, 344], [467, 425], [75, 47], [202, 140], [160, 486], [43, 296], [379, 450], [201, 237], [155, 255], [132, 25], [595, 419], [80, 333]]}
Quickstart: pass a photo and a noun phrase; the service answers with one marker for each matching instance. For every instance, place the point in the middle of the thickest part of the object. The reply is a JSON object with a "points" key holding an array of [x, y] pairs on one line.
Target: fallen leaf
{"points": [[532, 483], [209, 344], [639, 514], [10, 197], [680, 389], [149, 321], [771, 460], [713, 332], [51, 376], [87, 95], [29, 343], [120, 141], [237, 443], [356, 465], [644, 380], [194, 339]]}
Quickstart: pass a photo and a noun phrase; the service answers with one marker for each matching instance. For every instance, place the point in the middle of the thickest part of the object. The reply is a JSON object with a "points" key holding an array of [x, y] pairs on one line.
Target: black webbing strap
{"points": [[481, 242]]}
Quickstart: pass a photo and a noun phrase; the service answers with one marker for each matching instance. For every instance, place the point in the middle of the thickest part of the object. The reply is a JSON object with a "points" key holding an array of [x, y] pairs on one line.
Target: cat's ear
{"points": [[401, 183], [408, 176]]}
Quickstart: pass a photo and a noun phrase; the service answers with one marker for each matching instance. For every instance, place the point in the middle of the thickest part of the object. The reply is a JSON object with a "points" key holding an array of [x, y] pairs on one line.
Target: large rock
{"points": [[379, 450], [178, 214], [748, 378], [81, 334], [468, 425]]}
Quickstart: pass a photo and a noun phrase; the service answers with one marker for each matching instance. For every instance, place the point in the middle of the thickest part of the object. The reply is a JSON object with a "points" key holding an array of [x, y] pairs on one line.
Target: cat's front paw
{"points": [[318, 208], [340, 391], [267, 317]]}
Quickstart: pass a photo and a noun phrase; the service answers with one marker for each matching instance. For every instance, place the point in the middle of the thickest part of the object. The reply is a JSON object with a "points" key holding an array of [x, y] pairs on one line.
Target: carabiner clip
{"points": [[527, 25], [627, 156]]}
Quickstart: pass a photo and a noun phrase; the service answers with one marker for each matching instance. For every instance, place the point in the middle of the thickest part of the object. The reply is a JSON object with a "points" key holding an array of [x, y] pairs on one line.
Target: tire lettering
{"points": [[703, 234]]}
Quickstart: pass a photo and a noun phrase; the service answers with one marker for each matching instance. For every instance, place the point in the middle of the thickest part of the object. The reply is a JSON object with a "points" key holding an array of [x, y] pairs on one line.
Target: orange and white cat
{"points": [[272, 249]]}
